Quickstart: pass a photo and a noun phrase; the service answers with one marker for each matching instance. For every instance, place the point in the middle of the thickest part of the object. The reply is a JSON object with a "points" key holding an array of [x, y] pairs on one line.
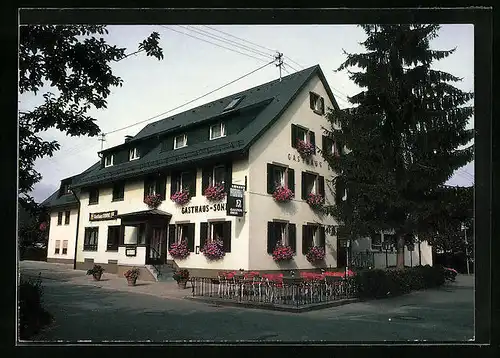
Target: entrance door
{"points": [[156, 247], [341, 253]]}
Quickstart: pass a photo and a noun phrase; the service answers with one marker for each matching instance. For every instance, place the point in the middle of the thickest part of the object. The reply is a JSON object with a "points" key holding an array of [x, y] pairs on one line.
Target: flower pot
{"points": [[131, 281], [182, 284], [97, 276]]}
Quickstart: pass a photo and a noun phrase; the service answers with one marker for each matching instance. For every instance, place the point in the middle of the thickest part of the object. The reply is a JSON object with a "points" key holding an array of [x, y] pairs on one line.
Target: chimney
{"points": [[128, 138]]}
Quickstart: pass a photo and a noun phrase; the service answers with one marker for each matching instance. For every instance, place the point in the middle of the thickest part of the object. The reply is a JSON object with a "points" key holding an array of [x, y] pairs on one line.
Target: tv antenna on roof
{"points": [[102, 139], [279, 57]]}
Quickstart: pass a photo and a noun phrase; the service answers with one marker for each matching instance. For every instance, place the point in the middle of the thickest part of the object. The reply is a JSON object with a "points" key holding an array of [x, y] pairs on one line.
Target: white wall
{"points": [[133, 201], [275, 146], [62, 232]]}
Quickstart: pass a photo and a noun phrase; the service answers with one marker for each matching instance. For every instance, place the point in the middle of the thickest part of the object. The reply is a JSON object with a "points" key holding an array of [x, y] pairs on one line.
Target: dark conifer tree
{"points": [[403, 137]]}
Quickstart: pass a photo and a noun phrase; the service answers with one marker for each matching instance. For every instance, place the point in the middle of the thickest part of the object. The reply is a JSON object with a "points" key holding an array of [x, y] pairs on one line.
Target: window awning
{"points": [[145, 215]]}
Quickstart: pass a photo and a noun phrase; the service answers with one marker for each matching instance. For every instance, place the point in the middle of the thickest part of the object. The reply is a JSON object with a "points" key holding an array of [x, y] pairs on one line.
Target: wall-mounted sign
{"points": [[203, 208], [131, 251], [235, 200], [105, 215], [315, 163]]}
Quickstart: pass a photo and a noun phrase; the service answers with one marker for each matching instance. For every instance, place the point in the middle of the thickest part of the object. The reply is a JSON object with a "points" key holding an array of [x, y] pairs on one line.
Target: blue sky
{"points": [[193, 67]]}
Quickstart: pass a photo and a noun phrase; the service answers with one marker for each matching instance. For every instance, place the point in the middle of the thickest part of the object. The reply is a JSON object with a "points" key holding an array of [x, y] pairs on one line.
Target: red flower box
{"points": [[283, 194]]}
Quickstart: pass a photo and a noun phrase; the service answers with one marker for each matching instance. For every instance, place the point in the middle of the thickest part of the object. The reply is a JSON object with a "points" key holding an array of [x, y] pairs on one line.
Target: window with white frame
{"points": [[180, 141], [280, 234], [58, 247], [181, 232], [219, 175], [300, 133], [133, 154], [317, 103], [108, 160], [65, 247], [217, 131], [279, 176]]}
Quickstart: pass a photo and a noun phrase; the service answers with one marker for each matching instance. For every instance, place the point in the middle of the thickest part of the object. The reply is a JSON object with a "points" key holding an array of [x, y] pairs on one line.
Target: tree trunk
{"points": [[400, 258]]}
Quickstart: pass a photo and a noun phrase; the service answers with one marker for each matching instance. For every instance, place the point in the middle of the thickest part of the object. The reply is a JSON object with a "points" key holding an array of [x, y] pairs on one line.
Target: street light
{"points": [[463, 227]]}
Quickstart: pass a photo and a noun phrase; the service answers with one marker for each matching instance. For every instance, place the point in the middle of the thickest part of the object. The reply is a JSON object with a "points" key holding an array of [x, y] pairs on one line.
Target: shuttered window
{"points": [[155, 185], [218, 174], [118, 191], [312, 235], [93, 196], [317, 103], [113, 238], [279, 176], [303, 134], [177, 233], [279, 233], [312, 184], [90, 239], [59, 218]]}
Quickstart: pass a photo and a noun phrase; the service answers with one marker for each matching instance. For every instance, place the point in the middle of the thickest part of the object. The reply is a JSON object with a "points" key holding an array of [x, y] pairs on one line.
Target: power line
{"points": [[298, 64], [213, 43], [239, 38], [193, 100], [219, 38]]}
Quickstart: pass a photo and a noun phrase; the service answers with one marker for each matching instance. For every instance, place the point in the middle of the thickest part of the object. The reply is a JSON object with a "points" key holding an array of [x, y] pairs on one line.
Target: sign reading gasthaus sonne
{"points": [[234, 205], [105, 215]]}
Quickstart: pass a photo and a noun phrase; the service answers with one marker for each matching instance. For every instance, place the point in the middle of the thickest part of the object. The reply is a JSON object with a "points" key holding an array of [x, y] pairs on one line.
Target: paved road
{"points": [[110, 311]]}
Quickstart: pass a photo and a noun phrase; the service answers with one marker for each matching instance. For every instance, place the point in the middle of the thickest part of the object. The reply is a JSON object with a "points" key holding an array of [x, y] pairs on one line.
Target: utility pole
{"points": [[279, 57], [102, 139], [466, 245]]}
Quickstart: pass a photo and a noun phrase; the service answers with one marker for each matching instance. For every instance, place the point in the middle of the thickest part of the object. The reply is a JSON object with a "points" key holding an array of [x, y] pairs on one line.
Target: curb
{"points": [[273, 307]]}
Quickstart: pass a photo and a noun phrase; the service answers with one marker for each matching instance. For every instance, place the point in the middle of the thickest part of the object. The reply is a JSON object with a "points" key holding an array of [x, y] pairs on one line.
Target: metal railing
{"points": [[363, 259], [291, 292]]}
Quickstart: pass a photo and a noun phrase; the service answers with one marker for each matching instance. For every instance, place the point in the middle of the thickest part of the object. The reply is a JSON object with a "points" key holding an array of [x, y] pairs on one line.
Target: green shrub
{"points": [[383, 283], [32, 316]]}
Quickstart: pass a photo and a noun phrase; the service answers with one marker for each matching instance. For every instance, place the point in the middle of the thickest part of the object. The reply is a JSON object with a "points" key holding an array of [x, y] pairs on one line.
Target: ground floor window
{"points": [[58, 247], [179, 232], [312, 235], [65, 247], [217, 230], [280, 233], [90, 239], [134, 235], [113, 238]]}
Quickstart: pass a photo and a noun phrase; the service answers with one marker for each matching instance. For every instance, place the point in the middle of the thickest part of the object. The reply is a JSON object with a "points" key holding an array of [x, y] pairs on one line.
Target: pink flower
{"points": [[213, 250], [179, 250], [282, 253], [153, 200], [316, 201], [282, 194], [43, 226], [304, 148], [181, 197], [215, 192], [316, 253]]}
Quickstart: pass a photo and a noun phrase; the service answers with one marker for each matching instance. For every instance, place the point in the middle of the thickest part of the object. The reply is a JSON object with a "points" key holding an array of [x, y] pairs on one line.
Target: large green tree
{"points": [[73, 61], [404, 135]]}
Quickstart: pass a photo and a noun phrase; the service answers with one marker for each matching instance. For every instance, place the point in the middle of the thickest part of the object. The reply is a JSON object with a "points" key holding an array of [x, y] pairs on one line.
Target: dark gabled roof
{"points": [[67, 199], [271, 98]]}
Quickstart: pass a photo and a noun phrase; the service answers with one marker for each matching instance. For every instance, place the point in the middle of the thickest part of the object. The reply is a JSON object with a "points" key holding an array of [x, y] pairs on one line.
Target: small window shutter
{"points": [[161, 186], [190, 237], [324, 144], [321, 186], [171, 235], [270, 178], [228, 177], [322, 105], [291, 179], [271, 237], [322, 236], [121, 239], [110, 235], [305, 241], [205, 179], [292, 237], [294, 136], [174, 177], [146, 184], [304, 194], [226, 231], [203, 234], [312, 140], [312, 101], [192, 186]]}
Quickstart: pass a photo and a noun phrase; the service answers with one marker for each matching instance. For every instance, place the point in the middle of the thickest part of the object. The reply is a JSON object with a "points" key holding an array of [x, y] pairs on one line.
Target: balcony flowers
{"points": [[215, 192], [213, 250], [304, 148], [181, 197], [315, 201], [283, 194], [43, 226], [282, 253], [315, 253], [179, 250], [153, 200]]}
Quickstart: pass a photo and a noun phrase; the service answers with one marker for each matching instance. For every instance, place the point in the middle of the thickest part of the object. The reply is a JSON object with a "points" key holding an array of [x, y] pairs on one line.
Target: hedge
{"points": [[383, 283], [32, 316]]}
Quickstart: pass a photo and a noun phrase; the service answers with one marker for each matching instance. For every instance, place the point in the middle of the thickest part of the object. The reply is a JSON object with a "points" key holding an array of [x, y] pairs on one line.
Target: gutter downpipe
{"points": [[77, 227]]}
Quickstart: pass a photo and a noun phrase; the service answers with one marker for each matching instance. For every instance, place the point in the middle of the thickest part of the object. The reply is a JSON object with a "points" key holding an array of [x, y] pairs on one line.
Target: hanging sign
{"points": [[105, 215], [235, 200]]}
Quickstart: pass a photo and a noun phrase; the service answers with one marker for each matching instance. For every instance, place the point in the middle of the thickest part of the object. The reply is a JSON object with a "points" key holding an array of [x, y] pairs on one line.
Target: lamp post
{"points": [[466, 245]]}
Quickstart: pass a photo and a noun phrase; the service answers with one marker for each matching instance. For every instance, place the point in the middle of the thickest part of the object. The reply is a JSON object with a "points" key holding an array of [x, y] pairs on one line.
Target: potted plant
{"points": [[213, 250], [215, 192], [179, 250], [305, 149], [132, 275], [282, 253], [96, 272], [182, 277], [315, 201], [153, 200], [181, 197], [283, 194], [315, 253]]}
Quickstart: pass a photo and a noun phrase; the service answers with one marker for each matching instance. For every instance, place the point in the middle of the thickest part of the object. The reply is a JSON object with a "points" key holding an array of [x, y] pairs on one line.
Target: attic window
{"points": [[180, 141], [133, 154], [217, 131], [232, 104], [108, 160], [317, 103]]}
